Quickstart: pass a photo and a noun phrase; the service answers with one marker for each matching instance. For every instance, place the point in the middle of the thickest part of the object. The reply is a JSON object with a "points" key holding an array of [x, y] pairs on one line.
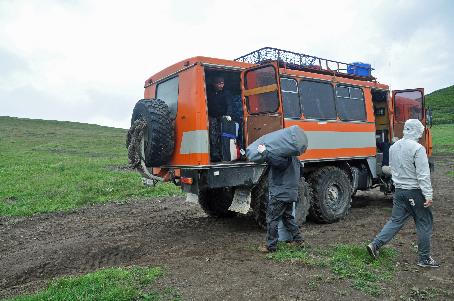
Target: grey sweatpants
{"points": [[275, 211], [403, 208]]}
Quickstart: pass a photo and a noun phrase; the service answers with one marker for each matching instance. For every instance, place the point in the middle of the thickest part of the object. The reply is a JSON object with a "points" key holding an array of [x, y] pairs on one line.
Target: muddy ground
{"points": [[216, 259]]}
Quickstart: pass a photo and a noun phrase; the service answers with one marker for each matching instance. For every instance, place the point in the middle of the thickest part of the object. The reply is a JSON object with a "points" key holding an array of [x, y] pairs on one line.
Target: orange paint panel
{"points": [[191, 114], [335, 79], [197, 60], [317, 154], [334, 126]]}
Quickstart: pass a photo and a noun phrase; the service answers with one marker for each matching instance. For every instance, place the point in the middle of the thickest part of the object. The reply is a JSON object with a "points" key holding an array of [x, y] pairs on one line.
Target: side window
{"points": [[168, 92], [317, 99], [290, 98], [350, 103]]}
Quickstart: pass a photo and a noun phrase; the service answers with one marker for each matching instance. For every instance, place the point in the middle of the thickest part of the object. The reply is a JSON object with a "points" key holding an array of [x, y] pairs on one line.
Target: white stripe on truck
{"points": [[333, 140], [198, 142], [194, 142]]}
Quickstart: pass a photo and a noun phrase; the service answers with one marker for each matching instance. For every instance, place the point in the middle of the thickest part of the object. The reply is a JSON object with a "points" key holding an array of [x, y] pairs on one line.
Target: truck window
{"points": [[290, 98], [168, 92], [350, 103], [264, 96], [408, 105], [317, 99]]}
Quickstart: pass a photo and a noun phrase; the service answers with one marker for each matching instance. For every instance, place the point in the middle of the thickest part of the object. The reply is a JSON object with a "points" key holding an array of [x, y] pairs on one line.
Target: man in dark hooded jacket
{"points": [[218, 107], [284, 176]]}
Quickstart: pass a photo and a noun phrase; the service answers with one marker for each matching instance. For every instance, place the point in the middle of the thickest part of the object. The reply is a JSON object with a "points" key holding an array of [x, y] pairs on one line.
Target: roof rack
{"points": [[300, 61]]}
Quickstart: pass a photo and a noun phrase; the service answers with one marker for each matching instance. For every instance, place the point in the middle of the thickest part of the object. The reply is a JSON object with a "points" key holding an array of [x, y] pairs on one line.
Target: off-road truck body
{"points": [[349, 117]]}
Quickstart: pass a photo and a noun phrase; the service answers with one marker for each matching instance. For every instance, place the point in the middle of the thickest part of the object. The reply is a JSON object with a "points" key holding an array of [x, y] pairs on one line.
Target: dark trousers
{"points": [[276, 211], [215, 139], [408, 203]]}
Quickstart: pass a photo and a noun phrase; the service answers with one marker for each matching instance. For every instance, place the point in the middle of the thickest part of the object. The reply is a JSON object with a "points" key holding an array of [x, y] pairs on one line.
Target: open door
{"points": [[262, 96], [409, 104]]}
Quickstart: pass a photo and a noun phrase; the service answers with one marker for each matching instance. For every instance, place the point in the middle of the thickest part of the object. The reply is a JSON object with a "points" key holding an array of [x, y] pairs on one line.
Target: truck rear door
{"points": [[409, 104], [261, 94]]}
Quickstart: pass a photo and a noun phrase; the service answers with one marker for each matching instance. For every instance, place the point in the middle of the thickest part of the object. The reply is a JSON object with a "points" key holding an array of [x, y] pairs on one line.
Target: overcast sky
{"points": [[86, 61]]}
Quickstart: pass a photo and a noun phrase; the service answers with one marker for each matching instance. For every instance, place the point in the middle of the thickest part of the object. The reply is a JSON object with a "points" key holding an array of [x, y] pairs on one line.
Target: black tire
{"points": [[304, 202], [159, 134], [216, 202], [332, 192], [259, 201]]}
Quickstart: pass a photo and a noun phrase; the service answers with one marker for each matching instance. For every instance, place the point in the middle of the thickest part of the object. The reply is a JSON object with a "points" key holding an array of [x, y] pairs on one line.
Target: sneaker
{"points": [[265, 249], [373, 250], [428, 263]]}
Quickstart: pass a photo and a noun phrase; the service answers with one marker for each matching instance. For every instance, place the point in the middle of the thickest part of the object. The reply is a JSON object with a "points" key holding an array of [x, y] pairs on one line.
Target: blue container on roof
{"points": [[358, 68]]}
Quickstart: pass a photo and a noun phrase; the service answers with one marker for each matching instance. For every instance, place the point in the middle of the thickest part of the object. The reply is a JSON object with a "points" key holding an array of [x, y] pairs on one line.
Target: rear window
{"points": [[261, 90], [168, 92], [290, 98], [408, 105], [317, 99], [350, 103]]}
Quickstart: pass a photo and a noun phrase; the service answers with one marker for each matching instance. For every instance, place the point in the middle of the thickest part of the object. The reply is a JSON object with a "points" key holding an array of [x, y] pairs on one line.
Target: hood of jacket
{"points": [[413, 129]]}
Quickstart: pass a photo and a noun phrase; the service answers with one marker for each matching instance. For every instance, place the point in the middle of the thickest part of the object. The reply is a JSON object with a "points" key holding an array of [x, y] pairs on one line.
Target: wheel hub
{"points": [[333, 195]]}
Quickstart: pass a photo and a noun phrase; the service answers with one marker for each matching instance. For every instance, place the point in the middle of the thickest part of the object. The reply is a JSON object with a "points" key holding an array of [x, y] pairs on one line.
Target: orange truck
{"points": [[350, 120]]}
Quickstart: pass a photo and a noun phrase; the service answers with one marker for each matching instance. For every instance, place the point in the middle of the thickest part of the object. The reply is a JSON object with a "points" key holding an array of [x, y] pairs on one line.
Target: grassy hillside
{"points": [[442, 104], [48, 166], [443, 139]]}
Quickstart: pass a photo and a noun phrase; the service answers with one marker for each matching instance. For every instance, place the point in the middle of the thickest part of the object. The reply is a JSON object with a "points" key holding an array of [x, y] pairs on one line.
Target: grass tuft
{"points": [[351, 262], [107, 284]]}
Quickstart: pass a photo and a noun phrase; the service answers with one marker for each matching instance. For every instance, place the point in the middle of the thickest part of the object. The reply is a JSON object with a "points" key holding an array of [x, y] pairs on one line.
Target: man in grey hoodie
{"points": [[413, 194]]}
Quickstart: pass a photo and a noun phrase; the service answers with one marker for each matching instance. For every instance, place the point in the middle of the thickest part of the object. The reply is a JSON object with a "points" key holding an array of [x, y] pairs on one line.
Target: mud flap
{"points": [[241, 201], [192, 198]]}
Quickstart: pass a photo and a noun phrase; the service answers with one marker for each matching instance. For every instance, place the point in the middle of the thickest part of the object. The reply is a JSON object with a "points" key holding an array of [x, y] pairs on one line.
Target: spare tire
{"points": [[159, 133]]}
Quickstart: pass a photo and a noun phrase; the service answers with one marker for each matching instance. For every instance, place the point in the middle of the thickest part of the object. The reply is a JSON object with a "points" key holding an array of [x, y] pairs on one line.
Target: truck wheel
{"points": [[332, 194], [259, 201], [216, 202], [304, 202], [159, 133]]}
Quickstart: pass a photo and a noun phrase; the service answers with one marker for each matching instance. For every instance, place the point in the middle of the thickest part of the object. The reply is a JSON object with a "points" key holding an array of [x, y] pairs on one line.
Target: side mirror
{"points": [[429, 117]]}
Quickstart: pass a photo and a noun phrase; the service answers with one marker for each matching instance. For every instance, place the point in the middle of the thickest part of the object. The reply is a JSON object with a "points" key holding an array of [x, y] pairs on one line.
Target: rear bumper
{"points": [[218, 177]]}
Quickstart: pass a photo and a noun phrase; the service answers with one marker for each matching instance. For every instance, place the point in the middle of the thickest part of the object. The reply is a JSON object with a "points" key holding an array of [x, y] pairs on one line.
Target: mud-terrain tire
{"points": [[259, 201], [304, 202], [216, 202], [159, 133], [332, 192]]}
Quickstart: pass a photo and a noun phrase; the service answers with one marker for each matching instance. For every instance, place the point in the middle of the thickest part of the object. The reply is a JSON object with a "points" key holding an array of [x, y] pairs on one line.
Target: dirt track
{"points": [[215, 259]]}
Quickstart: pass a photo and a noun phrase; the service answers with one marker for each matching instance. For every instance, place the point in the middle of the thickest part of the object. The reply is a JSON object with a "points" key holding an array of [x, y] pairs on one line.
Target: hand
{"points": [[228, 118], [428, 203], [261, 148]]}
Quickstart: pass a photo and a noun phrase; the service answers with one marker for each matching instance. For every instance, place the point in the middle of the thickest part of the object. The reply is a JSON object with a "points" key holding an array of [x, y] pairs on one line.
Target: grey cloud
{"points": [[10, 63], [29, 102]]}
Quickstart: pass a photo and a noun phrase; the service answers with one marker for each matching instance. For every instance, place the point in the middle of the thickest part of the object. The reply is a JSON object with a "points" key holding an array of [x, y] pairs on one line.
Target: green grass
{"points": [[48, 166], [443, 139], [347, 261], [114, 284], [442, 104]]}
